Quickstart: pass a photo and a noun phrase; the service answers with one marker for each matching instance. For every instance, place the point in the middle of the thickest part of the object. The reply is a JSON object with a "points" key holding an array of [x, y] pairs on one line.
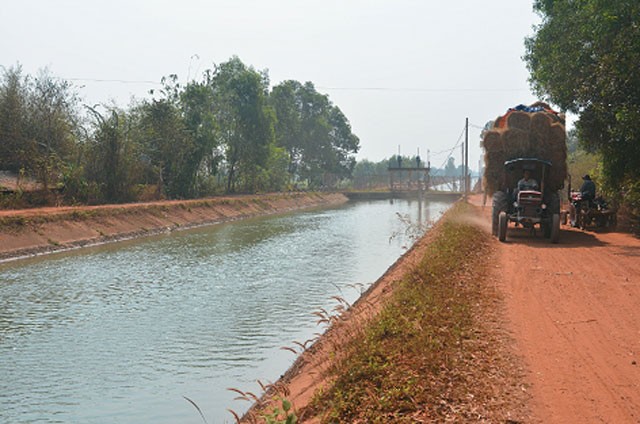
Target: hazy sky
{"points": [[405, 72]]}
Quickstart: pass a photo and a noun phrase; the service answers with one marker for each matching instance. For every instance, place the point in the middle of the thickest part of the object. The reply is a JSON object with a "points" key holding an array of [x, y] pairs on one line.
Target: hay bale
{"points": [[492, 141], [520, 120], [557, 176], [540, 134], [540, 123], [558, 171], [521, 134], [499, 122], [541, 104], [493, 171], [557, 134], [516, 143], [537, 146], [557, 156]]}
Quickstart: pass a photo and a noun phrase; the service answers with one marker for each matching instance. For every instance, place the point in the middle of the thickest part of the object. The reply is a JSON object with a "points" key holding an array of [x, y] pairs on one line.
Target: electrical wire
{"points": [[426, 90], [114, 80], [450, 151]]}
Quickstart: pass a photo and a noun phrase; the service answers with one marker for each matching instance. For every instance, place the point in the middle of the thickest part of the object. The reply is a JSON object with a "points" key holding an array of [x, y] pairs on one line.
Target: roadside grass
{"points": [[429, 355]]}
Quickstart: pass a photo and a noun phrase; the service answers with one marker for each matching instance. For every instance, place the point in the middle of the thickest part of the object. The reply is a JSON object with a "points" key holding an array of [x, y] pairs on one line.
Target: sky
{"points": [[406, 73]]}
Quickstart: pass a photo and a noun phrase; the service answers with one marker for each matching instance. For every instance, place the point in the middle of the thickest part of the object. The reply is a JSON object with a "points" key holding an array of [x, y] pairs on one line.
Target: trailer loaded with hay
{"points": [[531, 138]]}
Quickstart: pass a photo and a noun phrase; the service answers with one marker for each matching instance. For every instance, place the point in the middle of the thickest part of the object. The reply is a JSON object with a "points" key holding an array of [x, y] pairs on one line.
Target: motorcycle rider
{"points": [[588, 189], [587, 196]]}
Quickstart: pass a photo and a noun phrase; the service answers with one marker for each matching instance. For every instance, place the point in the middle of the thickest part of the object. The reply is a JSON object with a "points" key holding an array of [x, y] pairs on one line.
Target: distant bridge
{"points": [[419, 178]]}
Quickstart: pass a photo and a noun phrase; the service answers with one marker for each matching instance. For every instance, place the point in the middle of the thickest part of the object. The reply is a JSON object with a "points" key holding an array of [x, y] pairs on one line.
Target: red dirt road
{"points": [[574, 310]]}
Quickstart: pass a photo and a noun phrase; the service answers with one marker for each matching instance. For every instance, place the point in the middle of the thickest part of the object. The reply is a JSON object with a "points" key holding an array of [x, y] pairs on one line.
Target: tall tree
{"points": [[52, 125], [245, 120], [287, 103], [198, 113], [450, 169], [316, 133], [113, 155], [168, 145], [13, 116], [344, 144], [584, 57]]}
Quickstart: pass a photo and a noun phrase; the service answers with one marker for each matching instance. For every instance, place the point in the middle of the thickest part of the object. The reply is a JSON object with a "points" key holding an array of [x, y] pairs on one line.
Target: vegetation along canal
{"points": [[120, 333]]}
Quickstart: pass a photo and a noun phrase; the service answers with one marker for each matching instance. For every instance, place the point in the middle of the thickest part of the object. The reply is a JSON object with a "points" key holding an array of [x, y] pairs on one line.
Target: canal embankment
{"points": [[122, 331], [425, 343], [32, 232]]}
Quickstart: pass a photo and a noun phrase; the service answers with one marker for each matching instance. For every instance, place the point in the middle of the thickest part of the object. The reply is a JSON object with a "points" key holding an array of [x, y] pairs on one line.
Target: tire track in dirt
{"points": [[574, 310]]}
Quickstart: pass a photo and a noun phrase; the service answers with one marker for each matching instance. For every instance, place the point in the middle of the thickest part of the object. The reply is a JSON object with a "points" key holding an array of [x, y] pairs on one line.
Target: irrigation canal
{"points": [[120, 333]]}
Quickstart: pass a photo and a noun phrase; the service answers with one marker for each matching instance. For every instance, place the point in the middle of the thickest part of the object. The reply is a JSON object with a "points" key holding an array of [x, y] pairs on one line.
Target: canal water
{"points": [[122, 333]]}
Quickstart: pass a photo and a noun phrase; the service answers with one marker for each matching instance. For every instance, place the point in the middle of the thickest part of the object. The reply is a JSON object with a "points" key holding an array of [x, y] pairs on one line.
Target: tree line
{"points": [[224, 133], [584, 58]]}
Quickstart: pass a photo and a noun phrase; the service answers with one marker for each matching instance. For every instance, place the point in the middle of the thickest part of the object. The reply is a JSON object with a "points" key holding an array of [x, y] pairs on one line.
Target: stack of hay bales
{"points": [[521, 134]]}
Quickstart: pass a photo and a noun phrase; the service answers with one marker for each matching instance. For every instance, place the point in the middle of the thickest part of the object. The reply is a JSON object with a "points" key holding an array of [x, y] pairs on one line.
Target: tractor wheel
{"points": [[546, 229], [555, 228], [502, 226], [500, 204], [553, 203]]}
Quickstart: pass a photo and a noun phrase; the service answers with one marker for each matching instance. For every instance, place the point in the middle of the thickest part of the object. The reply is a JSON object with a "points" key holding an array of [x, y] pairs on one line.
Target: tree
{"points": [[315, 133], [38, 124], [13, 116], [450, 169], [113, 155], [274, 175], [286, 101], [584, 57], [168, 146], [245, 120], [52, 126], [343, 144], [197, 106]]}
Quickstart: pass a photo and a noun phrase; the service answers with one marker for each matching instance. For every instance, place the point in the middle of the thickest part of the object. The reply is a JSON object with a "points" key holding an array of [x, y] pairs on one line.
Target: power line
{"points": [[426, 90], [115, 80], [396, 89], [458, 143]]}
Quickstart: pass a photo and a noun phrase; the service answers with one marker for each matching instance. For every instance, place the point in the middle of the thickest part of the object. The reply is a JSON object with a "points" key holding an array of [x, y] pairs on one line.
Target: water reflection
{"points": [[120, 333]]}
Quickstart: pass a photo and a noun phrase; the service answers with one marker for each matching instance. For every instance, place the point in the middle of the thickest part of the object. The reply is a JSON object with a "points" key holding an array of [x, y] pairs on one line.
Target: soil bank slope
{"points": [[37, 231]]}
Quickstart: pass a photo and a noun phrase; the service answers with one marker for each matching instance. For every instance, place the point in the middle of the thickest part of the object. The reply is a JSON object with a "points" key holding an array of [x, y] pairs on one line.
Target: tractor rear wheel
{"points": [[502, 226], [546, 229], [500, 204], [553, 202], [555, 228]]}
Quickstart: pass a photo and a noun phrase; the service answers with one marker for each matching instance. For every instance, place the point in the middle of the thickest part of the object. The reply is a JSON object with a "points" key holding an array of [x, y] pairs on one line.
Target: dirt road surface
{"points": [[574, 311]]}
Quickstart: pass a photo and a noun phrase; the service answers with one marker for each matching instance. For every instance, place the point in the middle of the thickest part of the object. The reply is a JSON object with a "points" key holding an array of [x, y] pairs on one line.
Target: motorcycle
{"points": [[586, 212]]}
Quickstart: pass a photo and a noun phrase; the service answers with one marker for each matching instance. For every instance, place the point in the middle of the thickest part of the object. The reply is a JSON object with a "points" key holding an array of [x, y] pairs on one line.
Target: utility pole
{"points": [[462, 168], [466, 158]]}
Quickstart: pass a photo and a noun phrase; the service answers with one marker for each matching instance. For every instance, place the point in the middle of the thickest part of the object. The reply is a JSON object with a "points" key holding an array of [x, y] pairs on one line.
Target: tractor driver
{"points": [[527, 183]]}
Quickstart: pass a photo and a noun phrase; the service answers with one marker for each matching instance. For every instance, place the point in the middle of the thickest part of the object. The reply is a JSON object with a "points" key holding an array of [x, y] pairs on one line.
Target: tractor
{"points": [[527, 208]]}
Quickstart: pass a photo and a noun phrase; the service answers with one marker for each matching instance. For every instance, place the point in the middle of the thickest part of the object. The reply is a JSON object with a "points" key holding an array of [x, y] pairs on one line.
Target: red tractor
{"points": [[528, 208]]}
